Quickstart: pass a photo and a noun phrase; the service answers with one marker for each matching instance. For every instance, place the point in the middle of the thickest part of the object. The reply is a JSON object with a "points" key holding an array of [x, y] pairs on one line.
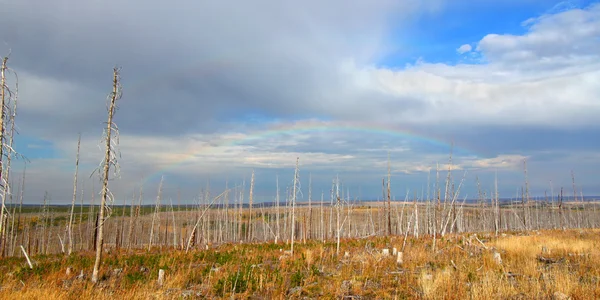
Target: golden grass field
{"points": [[552, 264]]}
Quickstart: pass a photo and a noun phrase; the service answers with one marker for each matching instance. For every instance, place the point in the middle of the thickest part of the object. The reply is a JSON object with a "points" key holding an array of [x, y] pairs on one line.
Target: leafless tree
{"points": [[70, 226], [155, 217], [111, 141], [294, 194]]}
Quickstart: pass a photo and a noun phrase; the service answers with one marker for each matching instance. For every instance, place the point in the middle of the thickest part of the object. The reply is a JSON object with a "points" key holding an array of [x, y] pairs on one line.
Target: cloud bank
{"points": [[201, 79]]}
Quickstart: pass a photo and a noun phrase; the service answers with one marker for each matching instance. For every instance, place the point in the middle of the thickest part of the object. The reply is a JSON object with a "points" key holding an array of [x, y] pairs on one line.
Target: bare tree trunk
{"points": [[81, 217], [200, 218], [156, 210], [579, 218], [92, 219], [560, 210], [338, 209], [322, 221], [21, 205], [389, 198], [174, 225], [42, 238], [310, 206], [416, 226], [277, 210], [109, 158], [134, 215], [9, 243], [436, 211], [294, 204], [3, 92], [250, 200], [525, 199], [11, 151], [241, 212], [74, 197], [496, 206]]}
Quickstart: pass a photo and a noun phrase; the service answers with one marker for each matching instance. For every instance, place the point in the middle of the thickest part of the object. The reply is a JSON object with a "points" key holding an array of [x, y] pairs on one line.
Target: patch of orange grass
{"points": [[458, 269], [555, 241]]}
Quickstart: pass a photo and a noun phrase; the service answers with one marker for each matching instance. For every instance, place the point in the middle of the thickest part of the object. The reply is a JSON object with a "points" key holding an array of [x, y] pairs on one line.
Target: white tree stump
{"points": [[497, 258], [161, 277]]}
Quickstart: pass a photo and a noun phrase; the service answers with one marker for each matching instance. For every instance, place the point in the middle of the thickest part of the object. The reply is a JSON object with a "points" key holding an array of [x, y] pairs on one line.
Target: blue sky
{"points": [[204, 82], [35, 148], [434, 37]]}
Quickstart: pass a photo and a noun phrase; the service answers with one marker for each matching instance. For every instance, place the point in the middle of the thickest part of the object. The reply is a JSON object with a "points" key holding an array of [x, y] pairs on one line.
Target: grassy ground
{"points": [[536, 265]]}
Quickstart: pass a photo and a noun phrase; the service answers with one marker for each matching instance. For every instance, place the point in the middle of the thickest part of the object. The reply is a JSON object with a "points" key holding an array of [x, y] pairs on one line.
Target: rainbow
{"points": [[227, 59], [312, 127]]}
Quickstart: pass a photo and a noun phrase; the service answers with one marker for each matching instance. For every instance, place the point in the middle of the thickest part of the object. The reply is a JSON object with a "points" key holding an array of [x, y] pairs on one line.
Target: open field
{"points": [[535, 265], [43, 230]]}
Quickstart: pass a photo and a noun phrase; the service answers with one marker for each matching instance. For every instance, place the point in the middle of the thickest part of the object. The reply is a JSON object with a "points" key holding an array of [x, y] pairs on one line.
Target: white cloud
{"points": [[550, 37], [469, 163], [464, 49], [546, 77]]}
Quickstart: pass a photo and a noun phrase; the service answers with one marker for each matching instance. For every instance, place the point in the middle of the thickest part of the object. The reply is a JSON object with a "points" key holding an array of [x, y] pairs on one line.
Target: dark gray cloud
{"points": [[187, 64]]}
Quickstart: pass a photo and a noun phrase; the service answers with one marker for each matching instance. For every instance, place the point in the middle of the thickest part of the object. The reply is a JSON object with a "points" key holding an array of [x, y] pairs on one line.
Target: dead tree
{"points": [[389, 199], [155, 217], [310, 229], [338, 207], [250, 228], [200, 218], [134, 215], [3, 99], [70, 227], [294, 204], [496, 205], [6, 147], [111, 139], [277, 210], [525, 198]]}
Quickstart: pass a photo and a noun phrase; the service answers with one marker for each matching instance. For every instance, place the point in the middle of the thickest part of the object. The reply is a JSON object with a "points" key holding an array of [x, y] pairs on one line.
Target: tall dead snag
{"points": [[6, 147], [3, 98], [310, 206], [579, 217], [525, 198], [294, 204], [200, 218], [20, 211], [134, 215], [277, 210], [3, 171], [437, 209], [250, 228], [496, 205], [338, 208], [560, 210], [111, 139], [70, 228], [389, 198], [155, 217], [81, 217]]}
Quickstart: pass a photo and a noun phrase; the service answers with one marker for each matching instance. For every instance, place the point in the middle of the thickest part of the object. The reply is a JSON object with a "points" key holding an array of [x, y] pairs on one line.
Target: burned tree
{"points": [[111, 141]]}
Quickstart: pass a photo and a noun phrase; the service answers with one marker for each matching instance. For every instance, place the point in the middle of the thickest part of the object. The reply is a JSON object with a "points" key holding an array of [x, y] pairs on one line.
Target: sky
{"points": [[214, 90]]}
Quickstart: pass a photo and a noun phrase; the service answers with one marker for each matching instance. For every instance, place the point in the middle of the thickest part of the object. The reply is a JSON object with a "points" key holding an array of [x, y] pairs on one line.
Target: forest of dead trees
{"points": [[95, 222]]}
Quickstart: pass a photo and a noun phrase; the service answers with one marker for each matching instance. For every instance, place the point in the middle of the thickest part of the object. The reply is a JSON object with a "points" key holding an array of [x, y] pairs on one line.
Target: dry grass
{"points": [[460, 268]]}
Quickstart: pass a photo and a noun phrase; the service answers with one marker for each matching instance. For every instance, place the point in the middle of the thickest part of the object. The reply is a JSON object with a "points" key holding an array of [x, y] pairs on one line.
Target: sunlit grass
{"points": [[460, 268]]}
